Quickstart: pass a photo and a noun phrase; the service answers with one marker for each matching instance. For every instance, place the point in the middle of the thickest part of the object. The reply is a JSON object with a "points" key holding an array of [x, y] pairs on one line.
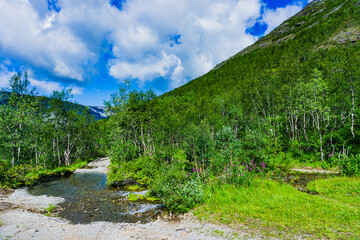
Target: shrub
{"points": [[281, 160], [180, 197], [3, 167], [142, 169], [19, 176], [350, 166], [179, 191]]}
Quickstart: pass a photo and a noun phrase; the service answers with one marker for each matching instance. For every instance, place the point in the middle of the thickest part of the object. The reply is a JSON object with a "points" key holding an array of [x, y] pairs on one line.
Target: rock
{"points": [[181, 229], [32, 231]]}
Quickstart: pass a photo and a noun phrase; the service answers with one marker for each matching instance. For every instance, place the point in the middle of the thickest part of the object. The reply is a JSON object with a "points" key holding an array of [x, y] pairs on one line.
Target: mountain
{"points": [[98, 112], [321, 27], [299, 85]]}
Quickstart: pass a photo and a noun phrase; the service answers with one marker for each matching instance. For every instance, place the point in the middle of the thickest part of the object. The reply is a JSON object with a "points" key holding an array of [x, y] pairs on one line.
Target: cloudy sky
{"points": [[92, 46]]}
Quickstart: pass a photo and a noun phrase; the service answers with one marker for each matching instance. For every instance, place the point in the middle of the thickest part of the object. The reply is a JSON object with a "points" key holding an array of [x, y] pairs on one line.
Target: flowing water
{"points": [[89, 199]]}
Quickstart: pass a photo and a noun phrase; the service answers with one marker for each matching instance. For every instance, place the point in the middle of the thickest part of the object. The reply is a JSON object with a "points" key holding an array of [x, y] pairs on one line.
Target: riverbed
{"points": [[22, 216]]}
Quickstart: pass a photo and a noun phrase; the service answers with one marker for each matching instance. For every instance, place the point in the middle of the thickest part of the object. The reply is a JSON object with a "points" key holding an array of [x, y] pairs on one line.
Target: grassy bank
{"points": [[26, 175], [274, 209]]}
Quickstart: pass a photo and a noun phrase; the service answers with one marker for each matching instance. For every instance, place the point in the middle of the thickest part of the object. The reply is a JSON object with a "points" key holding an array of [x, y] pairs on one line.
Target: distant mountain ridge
{"points": [[97, 111]]}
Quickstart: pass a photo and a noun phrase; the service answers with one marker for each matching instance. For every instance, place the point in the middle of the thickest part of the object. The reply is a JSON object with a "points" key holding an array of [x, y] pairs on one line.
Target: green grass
{"points": [[50, 210], [279, 210], [344, 189]]}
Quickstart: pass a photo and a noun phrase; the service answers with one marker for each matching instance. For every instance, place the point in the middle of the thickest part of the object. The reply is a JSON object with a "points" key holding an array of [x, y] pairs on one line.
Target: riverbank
{"points": [[22, 217]]}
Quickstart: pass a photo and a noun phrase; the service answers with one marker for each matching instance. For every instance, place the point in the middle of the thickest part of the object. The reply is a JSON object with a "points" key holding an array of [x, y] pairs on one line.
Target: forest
{"points": [[222, 142], [39, 133]]}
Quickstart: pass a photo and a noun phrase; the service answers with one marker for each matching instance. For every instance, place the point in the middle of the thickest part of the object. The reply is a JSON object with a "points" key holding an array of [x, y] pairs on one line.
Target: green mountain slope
{"points": [[299, 84], [322, 26], [293, 95]]}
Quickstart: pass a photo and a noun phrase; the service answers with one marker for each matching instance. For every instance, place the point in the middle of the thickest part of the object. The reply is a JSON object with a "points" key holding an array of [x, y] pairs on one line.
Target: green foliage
{"points": [[228, 150], [199, 144], [181, 196], [27, 175], [50, 210], [20, 176], [350, 166], [135, 197], [39, 133], [290, 98], [142, 169], [134, 188], [281, 160], [242, 174]]}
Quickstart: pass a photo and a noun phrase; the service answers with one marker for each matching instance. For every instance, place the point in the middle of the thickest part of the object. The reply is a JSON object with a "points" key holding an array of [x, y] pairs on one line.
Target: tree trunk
{"points": [[352, 112]]}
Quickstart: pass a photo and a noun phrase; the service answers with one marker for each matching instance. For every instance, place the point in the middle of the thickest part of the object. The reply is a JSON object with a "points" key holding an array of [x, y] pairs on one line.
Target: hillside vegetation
{"points": [[291, 99], [293, 96], [298, 86]]}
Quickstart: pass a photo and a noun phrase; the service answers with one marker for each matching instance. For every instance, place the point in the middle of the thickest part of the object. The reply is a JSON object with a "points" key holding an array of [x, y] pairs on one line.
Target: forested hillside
{"points": [[39, 133], [297, 87]]}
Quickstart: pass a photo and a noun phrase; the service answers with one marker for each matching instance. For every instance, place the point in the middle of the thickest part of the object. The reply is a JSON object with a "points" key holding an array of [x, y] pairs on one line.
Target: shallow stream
{"points": [[89, 199]]}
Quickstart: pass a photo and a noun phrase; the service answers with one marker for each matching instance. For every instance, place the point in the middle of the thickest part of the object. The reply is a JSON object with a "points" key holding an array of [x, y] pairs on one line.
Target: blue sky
{"points": [[92, 46]]}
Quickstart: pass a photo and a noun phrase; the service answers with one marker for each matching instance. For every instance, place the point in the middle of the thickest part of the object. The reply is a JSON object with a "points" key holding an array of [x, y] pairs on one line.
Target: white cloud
{"points": [[46, 86], [35, 40], [43, 86], [76, 90], [274, 18], [68, 44], [5, 75], [150, 68]]}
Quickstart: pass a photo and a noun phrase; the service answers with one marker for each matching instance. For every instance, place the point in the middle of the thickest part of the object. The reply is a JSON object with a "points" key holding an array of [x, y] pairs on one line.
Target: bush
{"points": [[350, 166], [179, 191], [180, 197], [19, 176], [3, 167], [142, 170], [281, 160]]}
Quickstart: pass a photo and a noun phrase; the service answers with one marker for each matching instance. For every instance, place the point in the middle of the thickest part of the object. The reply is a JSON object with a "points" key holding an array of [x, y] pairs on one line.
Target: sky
{"points": [[92, 46]]}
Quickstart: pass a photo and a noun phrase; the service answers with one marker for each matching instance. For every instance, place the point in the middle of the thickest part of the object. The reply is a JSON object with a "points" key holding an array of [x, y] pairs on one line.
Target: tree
{"points": [[18, 117]]}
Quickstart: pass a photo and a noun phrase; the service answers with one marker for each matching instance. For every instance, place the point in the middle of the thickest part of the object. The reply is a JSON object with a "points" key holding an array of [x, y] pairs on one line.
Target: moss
{"points": [[135, 197], [135, 188], [153, 199]]}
